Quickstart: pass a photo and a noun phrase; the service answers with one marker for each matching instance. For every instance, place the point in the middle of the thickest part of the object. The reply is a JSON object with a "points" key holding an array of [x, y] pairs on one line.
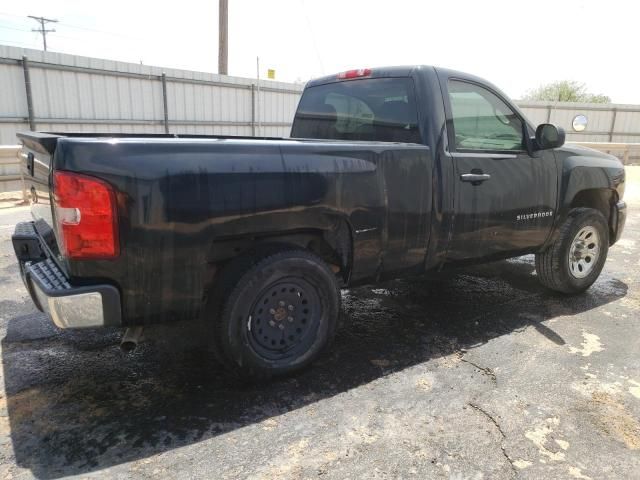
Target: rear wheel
{"points": [[576, 258], [275, 316]]}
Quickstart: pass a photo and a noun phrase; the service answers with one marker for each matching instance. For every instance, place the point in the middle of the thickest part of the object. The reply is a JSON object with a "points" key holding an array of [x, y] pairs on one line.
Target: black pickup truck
{"points": [[389, 172]]}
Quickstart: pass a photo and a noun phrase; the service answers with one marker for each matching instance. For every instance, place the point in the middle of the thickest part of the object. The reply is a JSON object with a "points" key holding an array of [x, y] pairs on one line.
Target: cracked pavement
{"points": [[478, 373]]}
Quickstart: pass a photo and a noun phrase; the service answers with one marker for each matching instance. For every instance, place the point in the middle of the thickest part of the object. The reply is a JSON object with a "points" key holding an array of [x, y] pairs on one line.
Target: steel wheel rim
{"points": [[283, 320], [584, 252]]}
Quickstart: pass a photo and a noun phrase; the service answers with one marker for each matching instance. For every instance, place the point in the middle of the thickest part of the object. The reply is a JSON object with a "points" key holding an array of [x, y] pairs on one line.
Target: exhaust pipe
{"points": [[131, 338]]}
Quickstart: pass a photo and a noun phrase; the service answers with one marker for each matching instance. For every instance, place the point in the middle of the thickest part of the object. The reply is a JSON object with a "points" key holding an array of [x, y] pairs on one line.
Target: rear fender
{"points": [[329, 235]]}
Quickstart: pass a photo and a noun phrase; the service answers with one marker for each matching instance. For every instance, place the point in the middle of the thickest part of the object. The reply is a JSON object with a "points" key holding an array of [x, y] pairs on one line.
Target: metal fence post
{"points": [[27, 86], [253, 110], [164, 102], [25, 199], [549, 114], [613, 124]]}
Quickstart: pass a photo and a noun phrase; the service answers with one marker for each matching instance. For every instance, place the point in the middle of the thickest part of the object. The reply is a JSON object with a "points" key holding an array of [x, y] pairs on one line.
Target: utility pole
{"points": [[43, 21], [223, 37]]}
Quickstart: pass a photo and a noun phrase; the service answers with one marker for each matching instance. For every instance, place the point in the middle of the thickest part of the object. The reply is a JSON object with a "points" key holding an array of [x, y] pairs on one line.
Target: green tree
{"points": [[565, 91]]}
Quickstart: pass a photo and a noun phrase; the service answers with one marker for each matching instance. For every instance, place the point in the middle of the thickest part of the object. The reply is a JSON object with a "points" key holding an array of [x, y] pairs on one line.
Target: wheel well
{"points": [[601, 199], [334, 246]]}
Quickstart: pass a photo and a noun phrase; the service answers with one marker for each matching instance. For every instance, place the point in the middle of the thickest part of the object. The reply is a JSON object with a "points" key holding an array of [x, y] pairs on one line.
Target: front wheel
{"points": [[576, 258], [278, 315]]}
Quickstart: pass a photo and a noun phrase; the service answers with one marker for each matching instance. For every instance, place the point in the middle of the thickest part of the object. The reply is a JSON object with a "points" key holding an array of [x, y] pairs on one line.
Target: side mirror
{"points": [[549, 136]]}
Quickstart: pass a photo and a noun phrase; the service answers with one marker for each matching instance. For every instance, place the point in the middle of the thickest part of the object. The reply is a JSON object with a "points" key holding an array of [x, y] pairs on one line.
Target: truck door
{"points": [[505, 199]]}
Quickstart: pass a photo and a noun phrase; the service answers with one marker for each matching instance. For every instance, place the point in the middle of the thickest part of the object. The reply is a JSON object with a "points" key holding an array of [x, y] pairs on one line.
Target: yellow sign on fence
{"points": [[271, 73]]}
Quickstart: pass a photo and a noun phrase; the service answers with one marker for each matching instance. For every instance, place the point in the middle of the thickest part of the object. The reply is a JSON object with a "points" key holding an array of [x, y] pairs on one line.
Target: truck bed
{"points": [[185, 201]]}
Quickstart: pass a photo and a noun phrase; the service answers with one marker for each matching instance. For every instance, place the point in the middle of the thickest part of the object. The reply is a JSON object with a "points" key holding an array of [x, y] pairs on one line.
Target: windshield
{"points": [[375, 109]]}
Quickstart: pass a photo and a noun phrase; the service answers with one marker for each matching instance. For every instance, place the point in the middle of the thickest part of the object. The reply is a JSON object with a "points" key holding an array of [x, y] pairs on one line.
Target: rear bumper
{"points": [[619, 220], [68, 306]]}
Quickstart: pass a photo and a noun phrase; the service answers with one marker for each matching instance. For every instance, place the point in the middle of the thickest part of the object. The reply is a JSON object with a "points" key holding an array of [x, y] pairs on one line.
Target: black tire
{"points": [[554, 268], [274, 316]]}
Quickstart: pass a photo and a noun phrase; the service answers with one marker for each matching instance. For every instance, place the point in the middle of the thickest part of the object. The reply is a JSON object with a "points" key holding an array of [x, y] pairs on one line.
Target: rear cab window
{"points": [[373, 109]]}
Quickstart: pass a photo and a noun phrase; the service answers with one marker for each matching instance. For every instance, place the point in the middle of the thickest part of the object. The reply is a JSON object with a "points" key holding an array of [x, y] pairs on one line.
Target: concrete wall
{"points": [[10, 169]]}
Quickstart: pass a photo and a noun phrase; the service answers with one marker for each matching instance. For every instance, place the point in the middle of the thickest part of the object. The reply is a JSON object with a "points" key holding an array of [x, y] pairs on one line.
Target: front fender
{"points": [[587, 169], [587, 174]]}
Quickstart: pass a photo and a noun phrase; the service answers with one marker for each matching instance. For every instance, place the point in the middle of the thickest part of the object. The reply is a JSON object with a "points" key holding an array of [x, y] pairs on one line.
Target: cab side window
{"points": [[482, 121]]}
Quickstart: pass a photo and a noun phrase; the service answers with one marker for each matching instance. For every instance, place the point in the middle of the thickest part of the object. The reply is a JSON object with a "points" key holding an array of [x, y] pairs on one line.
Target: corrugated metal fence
{"points": [[606, 122], [617, 125], [73, 93]]}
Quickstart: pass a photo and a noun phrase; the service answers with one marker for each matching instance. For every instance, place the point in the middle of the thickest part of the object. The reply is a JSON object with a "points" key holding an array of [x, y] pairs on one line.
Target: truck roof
{"points": [[397, 71], [401, 71]]}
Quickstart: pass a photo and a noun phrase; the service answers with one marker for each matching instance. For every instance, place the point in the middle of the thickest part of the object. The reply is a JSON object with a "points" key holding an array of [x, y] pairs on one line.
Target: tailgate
{"points": [[37, 157]]}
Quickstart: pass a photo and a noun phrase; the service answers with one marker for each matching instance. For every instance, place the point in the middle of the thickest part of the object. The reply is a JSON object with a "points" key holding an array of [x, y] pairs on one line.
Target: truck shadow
{"points": [[76, 404]]}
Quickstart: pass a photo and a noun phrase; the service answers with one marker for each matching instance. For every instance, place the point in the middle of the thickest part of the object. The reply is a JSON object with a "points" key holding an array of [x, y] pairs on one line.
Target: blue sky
{"points": [[515, 44]]}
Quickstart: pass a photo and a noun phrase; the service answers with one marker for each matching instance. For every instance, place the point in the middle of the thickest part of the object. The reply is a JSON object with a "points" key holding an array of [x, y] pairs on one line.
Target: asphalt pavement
{"points": [[479, 373]]}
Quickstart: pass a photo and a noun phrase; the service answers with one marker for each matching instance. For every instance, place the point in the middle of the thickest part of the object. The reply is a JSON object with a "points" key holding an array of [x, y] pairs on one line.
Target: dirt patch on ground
{"points": [[29, 403], [613, 419]]}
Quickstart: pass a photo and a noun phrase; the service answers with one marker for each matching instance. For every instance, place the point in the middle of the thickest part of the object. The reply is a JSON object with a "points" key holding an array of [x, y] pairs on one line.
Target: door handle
{"points": [[475, 178]]}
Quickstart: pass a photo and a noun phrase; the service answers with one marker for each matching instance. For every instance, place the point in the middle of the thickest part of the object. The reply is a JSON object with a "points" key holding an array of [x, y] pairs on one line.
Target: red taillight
{"points": [[362, 72], [85, 209]]}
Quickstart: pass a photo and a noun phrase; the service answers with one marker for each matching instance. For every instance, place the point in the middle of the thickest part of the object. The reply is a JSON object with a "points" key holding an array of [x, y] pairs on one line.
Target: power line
{"points": [[23, 30], [14, 28], [43, 21], [22, 44], [78, 27], [313, 35], [104, 32]]}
